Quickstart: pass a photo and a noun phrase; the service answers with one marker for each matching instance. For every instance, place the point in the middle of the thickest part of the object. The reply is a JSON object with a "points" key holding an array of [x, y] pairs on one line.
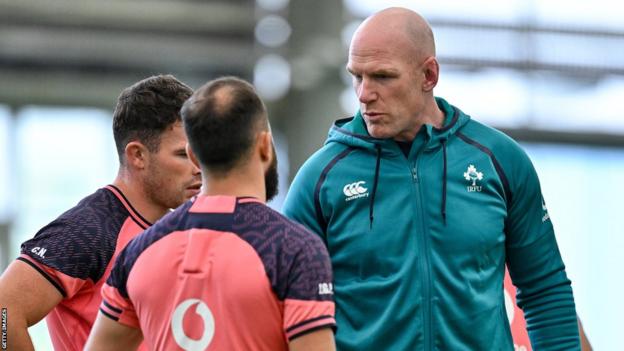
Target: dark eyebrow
{"points": [[381, 71], [384, 71]]}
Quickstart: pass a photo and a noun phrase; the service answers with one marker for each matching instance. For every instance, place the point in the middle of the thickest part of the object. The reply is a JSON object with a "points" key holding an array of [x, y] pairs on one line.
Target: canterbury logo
{"points": [[355, 190]]}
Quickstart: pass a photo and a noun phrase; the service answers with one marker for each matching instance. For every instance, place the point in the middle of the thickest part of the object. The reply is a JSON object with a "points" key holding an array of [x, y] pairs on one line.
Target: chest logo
{"points": [[472, 175], [177, 328], [355, 190]]}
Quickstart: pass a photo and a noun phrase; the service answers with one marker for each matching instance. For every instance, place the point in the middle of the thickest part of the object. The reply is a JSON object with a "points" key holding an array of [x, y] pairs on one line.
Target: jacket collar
{"points": [[352, 131]]}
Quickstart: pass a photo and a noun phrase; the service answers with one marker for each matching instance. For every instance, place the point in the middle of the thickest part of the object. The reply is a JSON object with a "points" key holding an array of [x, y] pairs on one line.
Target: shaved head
{"points": [[407, 27]]}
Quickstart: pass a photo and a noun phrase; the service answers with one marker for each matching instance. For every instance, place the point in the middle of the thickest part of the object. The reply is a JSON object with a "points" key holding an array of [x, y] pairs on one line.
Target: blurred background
{"points": [[548, 73]]}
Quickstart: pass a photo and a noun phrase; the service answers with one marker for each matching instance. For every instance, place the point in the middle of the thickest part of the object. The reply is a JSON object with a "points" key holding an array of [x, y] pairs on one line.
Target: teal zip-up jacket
{"points": [[419, 244]]}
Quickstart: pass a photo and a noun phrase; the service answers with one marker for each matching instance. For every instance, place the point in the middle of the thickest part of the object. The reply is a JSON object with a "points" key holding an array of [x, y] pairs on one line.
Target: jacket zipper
{"points": [[425, 265]]}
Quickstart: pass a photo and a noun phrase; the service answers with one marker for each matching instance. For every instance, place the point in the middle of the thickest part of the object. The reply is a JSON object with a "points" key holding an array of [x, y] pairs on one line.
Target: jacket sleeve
{"points": [[535, 264], [300, 204]]}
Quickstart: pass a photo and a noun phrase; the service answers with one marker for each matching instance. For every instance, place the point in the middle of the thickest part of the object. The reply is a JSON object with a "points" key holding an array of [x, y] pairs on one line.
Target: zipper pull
{"points": [[414, 175]]}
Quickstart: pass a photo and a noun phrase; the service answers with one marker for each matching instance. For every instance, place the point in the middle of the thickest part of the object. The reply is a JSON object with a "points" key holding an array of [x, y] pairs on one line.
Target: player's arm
{"points": [[108, 334], [535, 264], [318, 340], [27, 297], [299, 204], [309, 308]]}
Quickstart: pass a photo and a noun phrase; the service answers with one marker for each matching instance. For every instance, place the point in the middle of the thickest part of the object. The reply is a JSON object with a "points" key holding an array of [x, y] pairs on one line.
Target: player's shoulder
{"points": [[320, 159], [275, 221], [515, 165], [80, 241], [486, 134], [293, 233], [485, 137], [93, 215], [168, 224]]}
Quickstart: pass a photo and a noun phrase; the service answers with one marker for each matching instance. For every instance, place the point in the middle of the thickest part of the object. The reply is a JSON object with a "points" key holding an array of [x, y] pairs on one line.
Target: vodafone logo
{"points": [[177, 328], [355, 190]]}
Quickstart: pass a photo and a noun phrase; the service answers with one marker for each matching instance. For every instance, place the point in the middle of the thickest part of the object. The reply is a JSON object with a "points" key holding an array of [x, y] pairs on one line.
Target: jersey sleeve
{"points": [[116, 303], [68, 254], [308, 301], [117, 307], [66, 285], [535, 264]]}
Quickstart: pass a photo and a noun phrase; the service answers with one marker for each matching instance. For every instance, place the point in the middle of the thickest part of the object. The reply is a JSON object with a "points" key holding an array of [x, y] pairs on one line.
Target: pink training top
{"points": [[516, 317], [75, 253], [222, 273]]}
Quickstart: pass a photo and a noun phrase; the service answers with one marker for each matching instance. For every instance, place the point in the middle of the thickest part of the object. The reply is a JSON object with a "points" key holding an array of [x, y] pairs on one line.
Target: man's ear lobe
{"points": [[192, 156], [136, 155]]}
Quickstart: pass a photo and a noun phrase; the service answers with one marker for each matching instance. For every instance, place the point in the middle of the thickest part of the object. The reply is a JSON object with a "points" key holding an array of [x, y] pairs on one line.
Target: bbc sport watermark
{"points": [[4, 328]]}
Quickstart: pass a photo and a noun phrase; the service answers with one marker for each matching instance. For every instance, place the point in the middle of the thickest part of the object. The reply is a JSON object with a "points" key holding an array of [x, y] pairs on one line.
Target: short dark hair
{"points": [[145, 109], [221, 121]]}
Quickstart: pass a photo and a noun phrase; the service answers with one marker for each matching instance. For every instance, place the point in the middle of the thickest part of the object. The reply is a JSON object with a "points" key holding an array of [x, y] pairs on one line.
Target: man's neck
{"points": [[237, 183], [433, 115], [135, 194]]}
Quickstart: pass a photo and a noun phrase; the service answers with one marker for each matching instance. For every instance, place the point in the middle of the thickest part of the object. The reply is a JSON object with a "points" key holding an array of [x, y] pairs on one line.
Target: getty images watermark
{"points": [[4, 328]]}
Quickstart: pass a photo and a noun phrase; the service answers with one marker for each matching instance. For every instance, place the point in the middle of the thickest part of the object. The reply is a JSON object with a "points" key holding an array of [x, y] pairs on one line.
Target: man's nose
{"points": [[366, 92], [196, 170]]}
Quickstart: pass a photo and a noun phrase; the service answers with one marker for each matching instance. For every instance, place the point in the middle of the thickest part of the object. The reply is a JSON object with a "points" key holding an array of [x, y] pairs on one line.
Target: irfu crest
{"points": [[473, 175]]}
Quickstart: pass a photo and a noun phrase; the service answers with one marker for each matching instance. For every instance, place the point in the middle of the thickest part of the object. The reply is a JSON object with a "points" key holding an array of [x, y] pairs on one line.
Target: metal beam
{"points": [[70, 52], [528, 28], [580, 71], [40, 46], [79, 88], [134, 15], [565, 137]]}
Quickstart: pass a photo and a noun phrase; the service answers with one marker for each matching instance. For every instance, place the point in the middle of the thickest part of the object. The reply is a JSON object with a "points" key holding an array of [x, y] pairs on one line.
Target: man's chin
{"points": [[376, 130], [190, 192], [378, 134]]}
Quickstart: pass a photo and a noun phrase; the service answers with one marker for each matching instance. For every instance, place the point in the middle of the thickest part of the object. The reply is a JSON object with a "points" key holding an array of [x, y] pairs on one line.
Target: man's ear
{"points": [[192, 156], [137, 155], [265, 149], [431, 71]]}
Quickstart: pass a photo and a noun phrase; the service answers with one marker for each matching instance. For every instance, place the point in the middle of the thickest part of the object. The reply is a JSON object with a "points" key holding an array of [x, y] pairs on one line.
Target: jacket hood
{"points": [[352, 131]]}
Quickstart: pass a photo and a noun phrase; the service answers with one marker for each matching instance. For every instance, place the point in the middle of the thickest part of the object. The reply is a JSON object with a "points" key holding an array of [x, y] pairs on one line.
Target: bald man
{"points": [[421, 207]]}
